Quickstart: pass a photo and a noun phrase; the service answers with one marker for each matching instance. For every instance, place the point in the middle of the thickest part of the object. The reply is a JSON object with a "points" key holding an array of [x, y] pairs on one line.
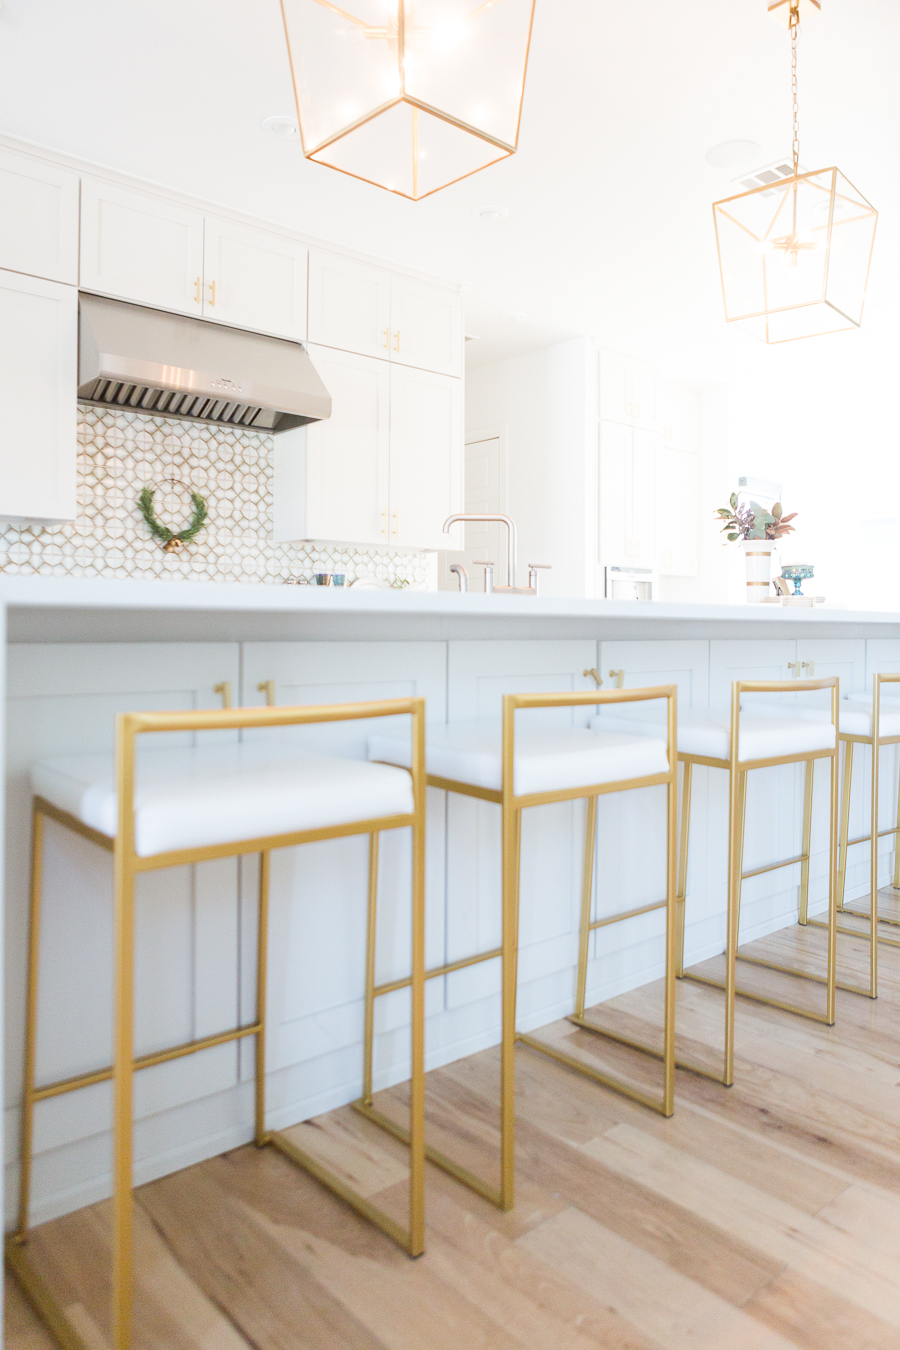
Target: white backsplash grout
{"points": [[120, 453]]}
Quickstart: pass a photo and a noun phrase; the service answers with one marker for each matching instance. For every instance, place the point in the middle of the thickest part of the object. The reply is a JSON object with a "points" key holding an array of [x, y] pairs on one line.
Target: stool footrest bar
{"points": [[773, 867], [448, 969], [864, 914], [854, 932], [39, 1296], [804, 974], [629, 914], [763, 998], [441, 1160], [301, 1158], [647, 1049], [571, 1062]]}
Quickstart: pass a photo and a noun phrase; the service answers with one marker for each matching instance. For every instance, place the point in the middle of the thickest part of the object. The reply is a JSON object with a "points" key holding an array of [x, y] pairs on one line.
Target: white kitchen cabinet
{"points": [[141, 248], [38, 356], [628, 495], [628, 389], [680, 417], [349, 304], [677, 511], [254, 278], [426, 326], [385, 468], [347, 457], [426, 457], [38, 218]]}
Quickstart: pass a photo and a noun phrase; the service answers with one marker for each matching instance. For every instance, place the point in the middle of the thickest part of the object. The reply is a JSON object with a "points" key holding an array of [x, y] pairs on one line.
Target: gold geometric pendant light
{"points": [[794, 254], [410, 95]]}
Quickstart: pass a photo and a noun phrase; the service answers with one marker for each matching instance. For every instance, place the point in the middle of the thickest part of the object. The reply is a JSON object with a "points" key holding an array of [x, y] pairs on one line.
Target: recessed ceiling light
{"points": [[490, 212], [516, 318], [285, 128], [732, 154]]}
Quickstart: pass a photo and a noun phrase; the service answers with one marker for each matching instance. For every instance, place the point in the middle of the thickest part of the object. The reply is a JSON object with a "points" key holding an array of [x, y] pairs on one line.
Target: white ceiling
{"points": [[609, 229]]}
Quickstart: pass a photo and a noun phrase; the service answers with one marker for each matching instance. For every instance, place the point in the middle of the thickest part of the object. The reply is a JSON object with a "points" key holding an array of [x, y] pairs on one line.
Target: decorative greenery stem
{"points": [[168, 537]]}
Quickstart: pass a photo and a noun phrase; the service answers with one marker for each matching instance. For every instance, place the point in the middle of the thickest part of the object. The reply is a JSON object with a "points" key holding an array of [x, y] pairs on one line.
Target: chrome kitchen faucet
{"points": [[510, 588]]}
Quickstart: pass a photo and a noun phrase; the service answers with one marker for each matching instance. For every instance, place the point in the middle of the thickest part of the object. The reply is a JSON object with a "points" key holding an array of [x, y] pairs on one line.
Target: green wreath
{"points": [[170, 540]]}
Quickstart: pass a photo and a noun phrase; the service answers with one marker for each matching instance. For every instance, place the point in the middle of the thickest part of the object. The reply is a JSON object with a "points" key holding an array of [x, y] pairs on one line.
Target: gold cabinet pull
{"points": [[794, 667], [387, 340], [197, 296], [595, 675], [396, 523], [224, 689], [212, 293], [619, 677], [397, 340], [384, 524], [809, 667], [267, 687]]}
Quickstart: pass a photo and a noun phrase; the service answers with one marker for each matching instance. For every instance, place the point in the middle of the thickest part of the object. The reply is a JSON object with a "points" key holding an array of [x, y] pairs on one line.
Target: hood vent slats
{"points": [[174, 366]]}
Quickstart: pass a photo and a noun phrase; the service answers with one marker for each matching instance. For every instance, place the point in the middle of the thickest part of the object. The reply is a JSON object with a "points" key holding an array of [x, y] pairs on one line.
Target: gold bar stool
{"points": [[867, 724], [493, 763], [739, 743], [172, 807]]}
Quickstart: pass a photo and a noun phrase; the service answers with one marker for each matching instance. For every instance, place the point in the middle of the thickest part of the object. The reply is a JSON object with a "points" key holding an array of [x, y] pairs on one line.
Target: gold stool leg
{"points": [[417, 997], [897, 838], [369, 1014], [512, 834], [807, 839], [845, 822], [584, 936], [123, 1097], [681, 889], [34, 933], [832, 881], [873, 873], [671, 925], [262, 963], [737, 807]]}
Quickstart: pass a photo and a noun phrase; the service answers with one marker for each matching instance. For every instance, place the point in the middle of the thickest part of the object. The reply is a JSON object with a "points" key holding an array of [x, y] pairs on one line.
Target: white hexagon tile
{"points": [[120, 453]]}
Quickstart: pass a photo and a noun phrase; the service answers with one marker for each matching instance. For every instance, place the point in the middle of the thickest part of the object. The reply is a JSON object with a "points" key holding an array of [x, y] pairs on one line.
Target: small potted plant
{"points": [[757, 530]]}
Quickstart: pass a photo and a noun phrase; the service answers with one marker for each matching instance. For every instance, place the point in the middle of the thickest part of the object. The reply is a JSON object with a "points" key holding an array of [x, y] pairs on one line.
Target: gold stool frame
{"points": [[876, 740], [512, 807], [737, 805], [127, 865]]}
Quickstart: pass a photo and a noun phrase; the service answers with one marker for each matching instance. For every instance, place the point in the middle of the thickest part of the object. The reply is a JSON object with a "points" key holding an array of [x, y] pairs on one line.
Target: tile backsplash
{"points": [[120, 453]]}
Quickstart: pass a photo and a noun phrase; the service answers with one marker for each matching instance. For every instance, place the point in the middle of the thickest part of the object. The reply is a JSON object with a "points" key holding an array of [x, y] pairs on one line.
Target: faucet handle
{"points": [[488, 575], [533, 569]]}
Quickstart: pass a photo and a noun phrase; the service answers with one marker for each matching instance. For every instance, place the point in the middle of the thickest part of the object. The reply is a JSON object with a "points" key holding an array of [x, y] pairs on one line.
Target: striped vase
{"points": [[758, 555]]}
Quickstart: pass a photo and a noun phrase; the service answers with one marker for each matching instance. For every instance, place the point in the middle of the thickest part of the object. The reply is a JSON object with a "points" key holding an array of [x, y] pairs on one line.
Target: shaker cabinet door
{"points": [[347, 456], [38, 218], [254, 279], [677, 511], [349, 305], [38, 445], [426, 457], [426, 326], [141, 248]]}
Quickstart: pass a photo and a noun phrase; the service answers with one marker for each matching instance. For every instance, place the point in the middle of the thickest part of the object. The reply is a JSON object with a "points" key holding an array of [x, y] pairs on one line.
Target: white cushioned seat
{"points": [[192, 797], [708, 733], [854, 713], [546, 761]]}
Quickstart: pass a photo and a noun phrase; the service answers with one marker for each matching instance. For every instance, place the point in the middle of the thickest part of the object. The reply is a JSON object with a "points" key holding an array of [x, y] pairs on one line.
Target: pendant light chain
{"points": [[795, 28]]}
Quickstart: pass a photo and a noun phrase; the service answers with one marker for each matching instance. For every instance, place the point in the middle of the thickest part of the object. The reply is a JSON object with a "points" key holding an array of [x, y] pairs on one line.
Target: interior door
{"points": [[254, 279], [349, 305], [426, 456], [347, 456], [38, 218], [141, 248], [426, 326]]}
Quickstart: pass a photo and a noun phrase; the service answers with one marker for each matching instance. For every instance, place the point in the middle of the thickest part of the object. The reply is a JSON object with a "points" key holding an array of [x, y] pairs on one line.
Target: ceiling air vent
{"points": [[772, 173]]}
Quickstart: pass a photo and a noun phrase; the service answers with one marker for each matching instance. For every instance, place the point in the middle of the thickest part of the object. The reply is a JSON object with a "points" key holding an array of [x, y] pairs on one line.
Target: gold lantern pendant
{"points": [[410, 95], [794, 255]]}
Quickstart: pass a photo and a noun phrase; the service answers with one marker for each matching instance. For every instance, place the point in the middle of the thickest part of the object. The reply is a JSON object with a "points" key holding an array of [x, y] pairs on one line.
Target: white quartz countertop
{"points": [[50, 609]]}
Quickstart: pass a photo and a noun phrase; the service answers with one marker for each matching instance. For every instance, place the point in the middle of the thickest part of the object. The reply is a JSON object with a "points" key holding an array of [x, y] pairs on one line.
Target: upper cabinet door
{"points": [[349, 305], [426, 457], [38, 447], [254, 279], [141, 248], [426, 326], [347, 455], [38, 218]]}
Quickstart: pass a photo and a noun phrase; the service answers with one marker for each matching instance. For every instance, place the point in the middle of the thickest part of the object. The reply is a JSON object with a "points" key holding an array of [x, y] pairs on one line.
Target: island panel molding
{"points": [[231, 468]]}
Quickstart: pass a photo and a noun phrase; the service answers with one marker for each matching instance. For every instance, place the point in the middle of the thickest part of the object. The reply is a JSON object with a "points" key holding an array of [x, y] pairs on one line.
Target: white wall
{"points": [[547, 400]]}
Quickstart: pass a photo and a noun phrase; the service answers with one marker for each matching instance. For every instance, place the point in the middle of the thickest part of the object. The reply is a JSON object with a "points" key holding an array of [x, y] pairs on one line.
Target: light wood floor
{"points": [[762, 1217]]}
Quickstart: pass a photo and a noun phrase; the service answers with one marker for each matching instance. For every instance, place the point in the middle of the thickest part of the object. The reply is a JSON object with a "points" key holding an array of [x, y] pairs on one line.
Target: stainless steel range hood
{"points": [[169, 365]]}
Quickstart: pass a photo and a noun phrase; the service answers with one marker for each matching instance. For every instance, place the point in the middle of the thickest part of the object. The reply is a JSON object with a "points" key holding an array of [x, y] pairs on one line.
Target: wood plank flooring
{"points": [[762, 1217]]}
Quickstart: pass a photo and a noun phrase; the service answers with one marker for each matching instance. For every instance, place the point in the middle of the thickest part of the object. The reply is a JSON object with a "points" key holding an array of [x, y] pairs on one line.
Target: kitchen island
{"points": [[80, 650]]}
